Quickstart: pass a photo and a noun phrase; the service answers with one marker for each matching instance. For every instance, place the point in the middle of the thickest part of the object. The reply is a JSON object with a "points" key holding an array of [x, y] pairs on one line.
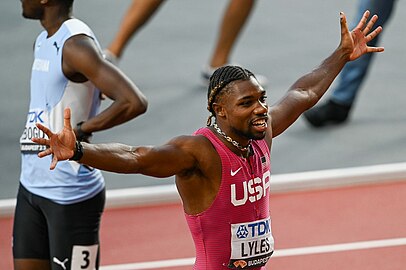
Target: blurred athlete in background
{"points": [[57, 217]]}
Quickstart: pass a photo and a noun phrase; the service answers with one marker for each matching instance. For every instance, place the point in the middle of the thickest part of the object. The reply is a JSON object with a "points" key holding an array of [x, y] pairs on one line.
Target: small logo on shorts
{"points": [[62, 264]]}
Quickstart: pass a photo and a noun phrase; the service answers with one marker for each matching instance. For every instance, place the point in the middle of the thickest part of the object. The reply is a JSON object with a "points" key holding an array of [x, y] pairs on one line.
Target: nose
{"points": [[261, 108]]}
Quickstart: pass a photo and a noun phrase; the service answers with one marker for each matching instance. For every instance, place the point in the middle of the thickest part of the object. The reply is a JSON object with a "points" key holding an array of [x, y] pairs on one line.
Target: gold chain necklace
{"points": [[229, 139]]}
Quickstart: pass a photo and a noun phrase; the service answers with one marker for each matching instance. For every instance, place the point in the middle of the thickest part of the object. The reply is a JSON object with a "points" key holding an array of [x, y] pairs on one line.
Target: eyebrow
{"points": [[263, 93]]}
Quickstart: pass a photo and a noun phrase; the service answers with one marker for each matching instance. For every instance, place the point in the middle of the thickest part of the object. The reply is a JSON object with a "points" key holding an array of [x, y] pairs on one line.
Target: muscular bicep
{"points": [[174, 158], [83, 60]]}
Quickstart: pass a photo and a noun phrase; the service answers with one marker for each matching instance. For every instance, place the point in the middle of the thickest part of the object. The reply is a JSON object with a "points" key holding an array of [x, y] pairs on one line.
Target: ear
{"points": [[219, 110]]}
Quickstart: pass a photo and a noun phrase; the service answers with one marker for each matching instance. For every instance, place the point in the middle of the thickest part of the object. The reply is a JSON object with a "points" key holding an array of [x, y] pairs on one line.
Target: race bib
{"points": [[252, 244], [84, 257], [31, 131]]}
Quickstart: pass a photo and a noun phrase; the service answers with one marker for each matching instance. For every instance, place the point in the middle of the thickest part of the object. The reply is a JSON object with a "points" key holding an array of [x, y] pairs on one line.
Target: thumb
{"points": [[66, 118], [343, 23]]}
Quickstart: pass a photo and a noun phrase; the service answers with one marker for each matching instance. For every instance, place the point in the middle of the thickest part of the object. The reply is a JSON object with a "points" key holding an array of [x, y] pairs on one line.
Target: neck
{"points": [[54, 18], [243, 150]]}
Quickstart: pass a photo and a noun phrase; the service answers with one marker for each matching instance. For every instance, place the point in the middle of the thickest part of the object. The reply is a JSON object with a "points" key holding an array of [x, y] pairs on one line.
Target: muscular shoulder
{"points": [[198, 147], [80, 56], [199, 185]]}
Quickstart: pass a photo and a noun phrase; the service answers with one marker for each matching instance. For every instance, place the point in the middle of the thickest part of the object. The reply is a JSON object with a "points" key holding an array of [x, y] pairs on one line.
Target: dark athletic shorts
{"points": [[67, 235]]}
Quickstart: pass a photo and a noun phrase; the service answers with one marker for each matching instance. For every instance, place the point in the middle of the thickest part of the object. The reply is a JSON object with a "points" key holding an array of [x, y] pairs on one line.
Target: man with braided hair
{"points": [[223, 170]]}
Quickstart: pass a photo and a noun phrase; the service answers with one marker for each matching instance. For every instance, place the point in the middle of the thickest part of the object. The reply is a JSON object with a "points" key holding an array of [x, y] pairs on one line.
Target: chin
{"points": [[260, 136], [25, 16]]}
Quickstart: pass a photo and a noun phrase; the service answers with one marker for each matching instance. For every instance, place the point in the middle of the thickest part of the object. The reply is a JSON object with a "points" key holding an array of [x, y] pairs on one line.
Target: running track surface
{"points": [[300, 219]]}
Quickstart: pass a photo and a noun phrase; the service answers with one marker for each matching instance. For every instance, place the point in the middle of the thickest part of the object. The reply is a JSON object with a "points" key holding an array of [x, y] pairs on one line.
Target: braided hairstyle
{"points": [[219, 82]]}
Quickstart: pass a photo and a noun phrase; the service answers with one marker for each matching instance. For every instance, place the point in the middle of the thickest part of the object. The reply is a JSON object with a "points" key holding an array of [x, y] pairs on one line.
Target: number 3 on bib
{"points": [[84, 257]]}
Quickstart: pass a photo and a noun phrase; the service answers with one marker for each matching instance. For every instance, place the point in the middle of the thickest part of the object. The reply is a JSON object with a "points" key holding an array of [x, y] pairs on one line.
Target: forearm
{"points": [[130, 104], [112, 157], [117, 113], [128, 100], [316, 83], [162, 161], [305, 92]]}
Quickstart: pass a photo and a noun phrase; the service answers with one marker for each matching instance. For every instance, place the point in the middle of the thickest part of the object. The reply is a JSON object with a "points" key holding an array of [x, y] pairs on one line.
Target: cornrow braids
{"points": [[220, 79]]}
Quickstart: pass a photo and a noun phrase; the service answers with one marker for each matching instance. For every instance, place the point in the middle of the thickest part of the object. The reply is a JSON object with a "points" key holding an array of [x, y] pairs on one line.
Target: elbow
{"points": [[142, 105], [137, 106]]}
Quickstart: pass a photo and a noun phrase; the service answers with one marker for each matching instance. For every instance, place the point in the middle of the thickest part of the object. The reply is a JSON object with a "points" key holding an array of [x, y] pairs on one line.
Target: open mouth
{"points": [[260, 124]]}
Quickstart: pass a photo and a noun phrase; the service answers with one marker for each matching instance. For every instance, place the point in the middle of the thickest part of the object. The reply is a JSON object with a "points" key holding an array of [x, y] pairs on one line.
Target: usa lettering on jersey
{"points": [[253, 189]]}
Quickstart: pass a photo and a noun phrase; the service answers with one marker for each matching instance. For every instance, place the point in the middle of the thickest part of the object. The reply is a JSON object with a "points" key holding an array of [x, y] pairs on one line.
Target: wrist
{"points": [[78, 152], [80, 134]]}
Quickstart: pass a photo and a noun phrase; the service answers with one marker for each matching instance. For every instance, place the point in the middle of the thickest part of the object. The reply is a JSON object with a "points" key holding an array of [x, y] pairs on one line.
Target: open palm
{"points": [[356, 41], [61, 145]]}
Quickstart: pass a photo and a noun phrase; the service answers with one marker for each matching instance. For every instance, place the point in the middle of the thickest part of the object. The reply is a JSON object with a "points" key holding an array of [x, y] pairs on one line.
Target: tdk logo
{"points": [[242, 232], [255, 229], [259, 228], [35, 117]]}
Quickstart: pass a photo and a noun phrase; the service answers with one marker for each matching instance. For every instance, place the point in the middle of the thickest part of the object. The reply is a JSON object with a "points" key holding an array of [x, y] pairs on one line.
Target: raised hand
{"points": [[356, 40], [61, 145]]}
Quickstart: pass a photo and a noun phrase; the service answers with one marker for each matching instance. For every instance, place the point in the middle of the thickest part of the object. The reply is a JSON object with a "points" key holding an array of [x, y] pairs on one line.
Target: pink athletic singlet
{"points": [[235, 231]]}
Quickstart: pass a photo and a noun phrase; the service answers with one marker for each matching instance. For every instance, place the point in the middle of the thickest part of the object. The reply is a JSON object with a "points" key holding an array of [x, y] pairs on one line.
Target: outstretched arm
{"points": [[308, 89], [173, 158]]}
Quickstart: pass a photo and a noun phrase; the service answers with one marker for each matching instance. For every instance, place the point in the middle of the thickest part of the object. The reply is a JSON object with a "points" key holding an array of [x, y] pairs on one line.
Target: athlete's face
{"points": [[245, 110], [32, 9]]}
